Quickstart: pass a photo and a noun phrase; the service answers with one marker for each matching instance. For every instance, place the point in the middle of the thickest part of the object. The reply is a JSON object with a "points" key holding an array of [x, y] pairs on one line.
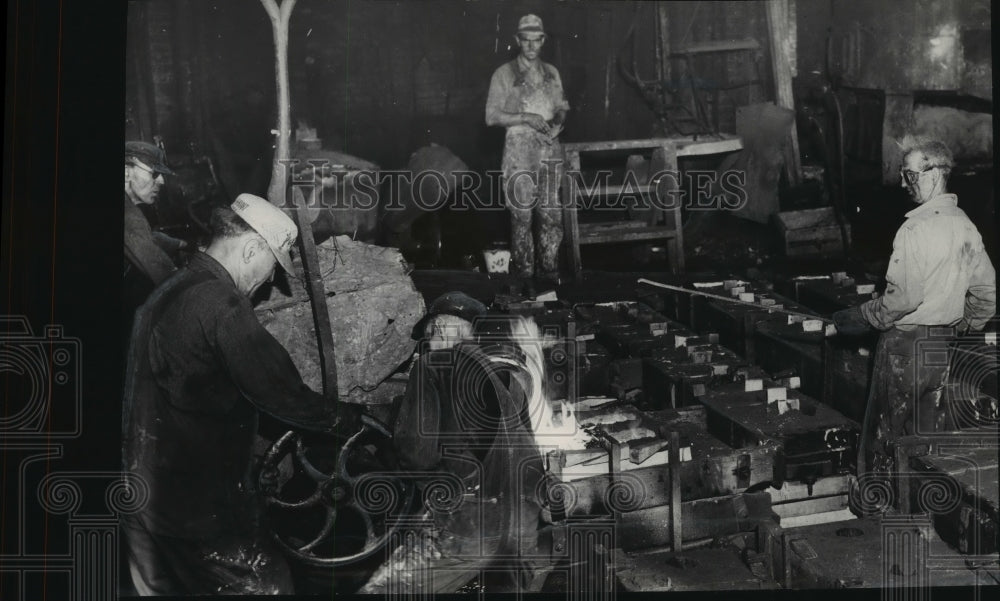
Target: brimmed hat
{"points": [[458, 304], [530, 24], [149, 154], [276, 228]]}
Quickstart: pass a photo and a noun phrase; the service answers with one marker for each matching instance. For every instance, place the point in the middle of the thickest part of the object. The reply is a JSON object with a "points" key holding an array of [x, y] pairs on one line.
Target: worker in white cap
{"points": [[526, 97], [201, 368]]}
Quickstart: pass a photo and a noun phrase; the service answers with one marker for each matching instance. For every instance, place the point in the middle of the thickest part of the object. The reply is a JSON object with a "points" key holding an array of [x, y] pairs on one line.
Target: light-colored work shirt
{"points": [[939, 273], [517, 87]]}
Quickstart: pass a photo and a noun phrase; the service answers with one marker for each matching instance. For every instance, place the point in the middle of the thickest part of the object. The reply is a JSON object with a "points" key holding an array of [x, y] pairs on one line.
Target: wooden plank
{"points": [[686, 145], [794, 220], [829, 517], [637, 189], [606, 234], [704, 518], [806, 507], [718, 46], [705, 147], [603, 226], [823, 487]]}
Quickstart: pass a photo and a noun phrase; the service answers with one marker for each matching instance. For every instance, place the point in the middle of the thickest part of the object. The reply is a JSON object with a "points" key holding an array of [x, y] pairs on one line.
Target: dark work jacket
{"points": [[467, 417], [200, 367]]}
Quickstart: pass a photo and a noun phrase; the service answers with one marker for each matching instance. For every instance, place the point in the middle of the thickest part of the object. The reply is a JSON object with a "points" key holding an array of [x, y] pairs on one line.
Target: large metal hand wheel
{"points": [[332, 507]]}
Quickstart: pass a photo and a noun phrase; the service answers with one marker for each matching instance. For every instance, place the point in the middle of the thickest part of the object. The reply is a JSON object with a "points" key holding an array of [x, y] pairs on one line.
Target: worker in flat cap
{"points": [[526, 97], [149, 256], [463, 433], [940, 283], [200, 370], [449, 320]]}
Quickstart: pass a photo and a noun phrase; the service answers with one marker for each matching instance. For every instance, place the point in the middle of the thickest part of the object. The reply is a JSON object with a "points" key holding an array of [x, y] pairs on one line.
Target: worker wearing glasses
{"points": [[939, 283]]}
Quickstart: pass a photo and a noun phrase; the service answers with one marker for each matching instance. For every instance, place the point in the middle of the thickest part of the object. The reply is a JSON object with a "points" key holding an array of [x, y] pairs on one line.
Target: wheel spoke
{"points": [[370, 537], [310, 501], [345, 452], [331, 517], [310, 469]]}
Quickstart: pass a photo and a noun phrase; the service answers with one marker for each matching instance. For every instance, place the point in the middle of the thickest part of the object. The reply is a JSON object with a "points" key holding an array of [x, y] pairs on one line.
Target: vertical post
{"points": [[663, 49], [676, 522], [571, 368], [570, 223], [777, 29], [674, 213], [280, 18]]}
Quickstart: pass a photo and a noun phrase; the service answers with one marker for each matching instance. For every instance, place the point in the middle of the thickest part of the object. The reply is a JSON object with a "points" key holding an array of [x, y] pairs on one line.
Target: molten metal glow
{"points": [[552, 430]]}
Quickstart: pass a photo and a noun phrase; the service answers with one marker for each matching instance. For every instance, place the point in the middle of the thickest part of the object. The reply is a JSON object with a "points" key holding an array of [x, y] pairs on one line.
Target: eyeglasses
{"points": [[152, 172], [911, 177]]}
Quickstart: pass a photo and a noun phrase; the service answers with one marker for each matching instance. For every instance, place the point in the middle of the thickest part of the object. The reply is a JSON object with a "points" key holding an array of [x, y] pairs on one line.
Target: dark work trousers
{"points": [[907, 393], [532, 174], [226, 565]]}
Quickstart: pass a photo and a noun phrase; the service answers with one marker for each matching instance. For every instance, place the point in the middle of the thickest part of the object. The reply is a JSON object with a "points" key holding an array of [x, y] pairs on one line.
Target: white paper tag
{"points": [[864, 288], [753, 385], [776, 394], [793, 382], [812, 325], [747, 297]]}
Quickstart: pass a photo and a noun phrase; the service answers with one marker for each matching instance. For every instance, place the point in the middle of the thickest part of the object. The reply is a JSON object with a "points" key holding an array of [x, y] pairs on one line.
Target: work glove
{"points": [[850, 322]]}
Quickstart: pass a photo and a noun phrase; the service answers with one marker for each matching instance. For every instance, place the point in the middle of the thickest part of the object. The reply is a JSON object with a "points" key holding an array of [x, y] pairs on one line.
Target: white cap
{"points": [[530, 24], [276, 228]]}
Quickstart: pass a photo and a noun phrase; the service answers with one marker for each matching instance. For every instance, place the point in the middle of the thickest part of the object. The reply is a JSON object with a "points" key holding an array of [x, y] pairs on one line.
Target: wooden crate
{"points": [[676, 381], [811, 232], [630, 329], [709, 467], [816, 440]]}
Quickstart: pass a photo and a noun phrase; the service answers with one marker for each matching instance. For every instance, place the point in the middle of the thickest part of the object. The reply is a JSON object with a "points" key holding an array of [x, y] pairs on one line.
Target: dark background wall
{"points": [[380, 79]]}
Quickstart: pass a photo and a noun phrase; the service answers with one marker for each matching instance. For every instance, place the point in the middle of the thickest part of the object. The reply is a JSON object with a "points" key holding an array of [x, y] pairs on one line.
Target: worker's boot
{"points": [[523, 286], [547, 281]]}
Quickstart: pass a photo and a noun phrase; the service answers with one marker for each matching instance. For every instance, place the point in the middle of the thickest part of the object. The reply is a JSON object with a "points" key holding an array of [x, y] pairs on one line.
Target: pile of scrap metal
{"points": [[373, 306]]}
